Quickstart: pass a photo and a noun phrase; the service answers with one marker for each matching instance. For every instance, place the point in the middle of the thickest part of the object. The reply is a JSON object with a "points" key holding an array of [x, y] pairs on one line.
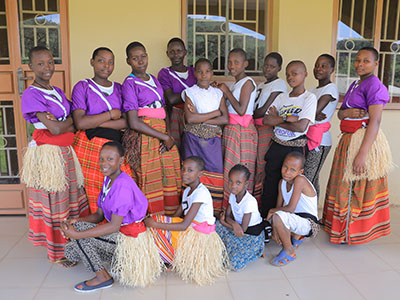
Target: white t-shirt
{"points": [[265, 89], [200, 195], [247, 205], [183, 75], [236, 90], [303, 106], [332, 90], [105, 90], [205, 100]]}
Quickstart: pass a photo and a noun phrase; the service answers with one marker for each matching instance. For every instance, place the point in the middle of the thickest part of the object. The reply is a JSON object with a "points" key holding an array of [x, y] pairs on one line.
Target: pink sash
{"points": [[156, 113], [314, 134], [241, 120], [203, 227], [259, 121]]}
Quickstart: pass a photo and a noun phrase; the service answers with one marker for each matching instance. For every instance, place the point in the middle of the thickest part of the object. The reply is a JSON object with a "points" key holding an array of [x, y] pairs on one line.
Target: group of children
{"points": [[106, 172]]}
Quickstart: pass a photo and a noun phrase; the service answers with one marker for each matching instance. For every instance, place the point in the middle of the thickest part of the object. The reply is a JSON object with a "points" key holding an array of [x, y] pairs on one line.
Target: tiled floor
{"points": [[321, 271]]}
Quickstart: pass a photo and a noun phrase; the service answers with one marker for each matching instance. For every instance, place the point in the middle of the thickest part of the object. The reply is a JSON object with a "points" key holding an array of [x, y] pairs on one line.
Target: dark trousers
{"points": [[274, 159]]}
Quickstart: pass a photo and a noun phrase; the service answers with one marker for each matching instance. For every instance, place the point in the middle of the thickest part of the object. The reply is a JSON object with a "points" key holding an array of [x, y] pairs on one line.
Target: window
{"points": [[210, 23], [369, 23]]}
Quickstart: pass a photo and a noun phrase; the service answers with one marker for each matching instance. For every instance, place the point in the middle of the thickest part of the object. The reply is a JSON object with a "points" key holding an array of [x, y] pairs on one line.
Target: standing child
{"points": [[356, 209], [123, 241], [319, 138], [97, 106], [51, 169], [174, 80], [267, 92], [197, 253], [240, 135], [241, 228], [296, 212], [205, 112], [291, 113], [151, 151]]}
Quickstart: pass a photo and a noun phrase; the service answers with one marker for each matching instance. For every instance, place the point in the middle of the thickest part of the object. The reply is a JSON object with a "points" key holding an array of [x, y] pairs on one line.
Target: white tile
{"points": [[260, 269], [265, 289], [7, 243], [389, 253], [323, 287], [25, 272], [66, 277], [25, 249], [174, 279], [377, 285], [18, 293], [13, 226], [66, 294], [119, 292], [217, 291]]}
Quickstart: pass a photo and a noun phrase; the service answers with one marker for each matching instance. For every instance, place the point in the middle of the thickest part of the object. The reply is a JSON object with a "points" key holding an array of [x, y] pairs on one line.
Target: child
{"points": [[296, 212], [356, 207], [205, 112], [241, 228], [200, 255], [174, 80], [240, 135], [51, 169], [151, 152], [96, 105], [319, 138], [291, 113], [267, 92], [123, 241]]}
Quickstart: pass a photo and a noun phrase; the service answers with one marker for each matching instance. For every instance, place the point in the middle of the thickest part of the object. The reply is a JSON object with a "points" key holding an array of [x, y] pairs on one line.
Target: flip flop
{"points": [[82, 287], [64, 262], [283, 259], [297, 243]]}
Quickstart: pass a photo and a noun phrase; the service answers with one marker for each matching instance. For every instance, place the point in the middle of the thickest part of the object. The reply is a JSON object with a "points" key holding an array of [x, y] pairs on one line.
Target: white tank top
{"points": [[306, 204], [236, 90]]}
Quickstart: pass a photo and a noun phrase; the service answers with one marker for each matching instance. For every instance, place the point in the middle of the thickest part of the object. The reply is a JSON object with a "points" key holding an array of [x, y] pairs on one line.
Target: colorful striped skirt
{"points": [[88, 152], [157, 175], [239, 147], [213, 175], [176, 125], [48, 209], [355, 212], [265, 133]]}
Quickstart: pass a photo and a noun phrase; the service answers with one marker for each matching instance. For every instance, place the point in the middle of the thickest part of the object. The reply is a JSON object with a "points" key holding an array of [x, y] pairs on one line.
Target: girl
{"points": [[174, 80], [319, 138], [123, 241], [205, 112], [241, 228], [51, 169], [96, 105], [152, 154], [240, 135], [361, 161], [198, 253], [267, 92]]}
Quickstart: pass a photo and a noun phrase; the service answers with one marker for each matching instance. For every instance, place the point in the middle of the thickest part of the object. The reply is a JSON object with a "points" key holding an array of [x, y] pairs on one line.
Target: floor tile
{"points": [[120, 292], [323, 287], [66, 294], [7, 243], [389, 253], [217, 291], [174, 279], [261, 269], [25, 249], [18, 293], [13, 226]]}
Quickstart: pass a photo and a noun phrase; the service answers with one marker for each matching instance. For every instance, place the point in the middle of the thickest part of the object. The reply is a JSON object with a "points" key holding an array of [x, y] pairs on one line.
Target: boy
{"points": [[296, 212], [291, 114]]}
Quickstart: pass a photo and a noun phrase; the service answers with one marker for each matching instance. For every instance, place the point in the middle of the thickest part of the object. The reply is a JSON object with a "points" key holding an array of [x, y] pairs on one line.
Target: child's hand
{"points": [[359, 166], [169, 142], [355, 113], [115, 114], [149, 222], [222, 215], [214, 84], [50, 116], [320, 117], [191, 108], [68, 231], [237, 230], [292, 119], [272, 111], [223, 87]]}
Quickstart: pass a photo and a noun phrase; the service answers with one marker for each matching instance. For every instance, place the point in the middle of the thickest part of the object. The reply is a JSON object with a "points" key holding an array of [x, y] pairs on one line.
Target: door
{"points": [[23, 25]]}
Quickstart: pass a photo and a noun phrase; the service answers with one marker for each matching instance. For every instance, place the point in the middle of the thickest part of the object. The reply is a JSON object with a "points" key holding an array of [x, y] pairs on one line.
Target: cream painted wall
{"points": [[114, 24]]}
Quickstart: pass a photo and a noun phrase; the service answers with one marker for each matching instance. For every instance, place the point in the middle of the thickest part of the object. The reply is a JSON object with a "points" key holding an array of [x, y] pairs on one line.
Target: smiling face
{"points": [[176, 53], [236, 63], [110, 162], [138, 60], [237, 183], [42, 64], [295, 74], [365, 63], [203, 74], [322, 69], [190, 172], [291, 168], [103, 64], [271, 68]]}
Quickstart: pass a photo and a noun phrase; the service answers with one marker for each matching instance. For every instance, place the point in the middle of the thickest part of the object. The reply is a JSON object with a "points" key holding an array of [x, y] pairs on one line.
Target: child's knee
{"points": [[276, 219]]}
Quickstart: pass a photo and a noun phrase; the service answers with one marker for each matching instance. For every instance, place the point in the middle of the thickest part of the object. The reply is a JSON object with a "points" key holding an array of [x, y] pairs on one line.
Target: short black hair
{"points": [[297, 62], [276, 56], [330, 58], [96, 51], [371, 49], [297, 155], [202, 60], [35, 50], [198, 160], [242, 169], [176, 40], [239, 51], [133, 45], [115, 145]]}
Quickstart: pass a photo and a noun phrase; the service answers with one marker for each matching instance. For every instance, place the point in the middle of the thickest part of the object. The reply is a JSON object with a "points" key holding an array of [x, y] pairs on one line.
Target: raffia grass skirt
{"points": [[200, 257], [136, 261], [44, 167]]}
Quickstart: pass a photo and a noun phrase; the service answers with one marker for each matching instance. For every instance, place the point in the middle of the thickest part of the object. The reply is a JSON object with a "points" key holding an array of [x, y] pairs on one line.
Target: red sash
{"points": [[44, 136], [351, 126], [133, 229]]}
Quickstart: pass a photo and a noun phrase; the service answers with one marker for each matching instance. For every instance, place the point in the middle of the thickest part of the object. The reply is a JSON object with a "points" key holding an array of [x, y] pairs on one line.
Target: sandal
{"points": [[283, 259], [64, 262], [82, 287], [297, 243]]}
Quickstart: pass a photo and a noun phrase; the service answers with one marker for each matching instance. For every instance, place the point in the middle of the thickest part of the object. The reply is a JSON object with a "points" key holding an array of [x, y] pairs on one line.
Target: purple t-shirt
{"points": [[137, 93], [34, 100], [87, 95], [169, 79], [124, 199], [371, 91]]}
